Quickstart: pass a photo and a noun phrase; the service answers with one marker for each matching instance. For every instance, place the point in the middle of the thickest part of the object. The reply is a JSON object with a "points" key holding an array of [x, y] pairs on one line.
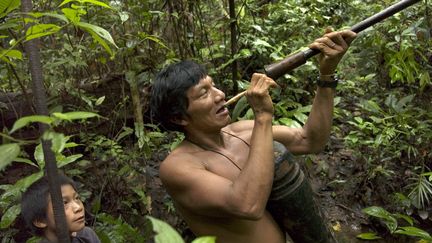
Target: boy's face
{"points": [[74, 211]]}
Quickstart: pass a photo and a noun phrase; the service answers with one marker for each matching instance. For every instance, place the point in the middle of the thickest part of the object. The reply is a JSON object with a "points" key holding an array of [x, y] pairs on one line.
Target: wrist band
{"points": [[327, 83]]}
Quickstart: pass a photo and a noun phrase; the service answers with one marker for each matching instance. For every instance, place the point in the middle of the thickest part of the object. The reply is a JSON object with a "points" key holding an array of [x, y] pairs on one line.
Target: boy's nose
{"points": [[78, 206]]}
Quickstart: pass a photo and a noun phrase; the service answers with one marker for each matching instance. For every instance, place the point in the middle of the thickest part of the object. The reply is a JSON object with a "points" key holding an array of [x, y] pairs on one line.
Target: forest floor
{"points": [[338, 181]]}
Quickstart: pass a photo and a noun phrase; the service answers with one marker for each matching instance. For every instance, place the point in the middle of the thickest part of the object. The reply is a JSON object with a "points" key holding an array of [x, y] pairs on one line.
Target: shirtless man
{"points": [[220, 176]]}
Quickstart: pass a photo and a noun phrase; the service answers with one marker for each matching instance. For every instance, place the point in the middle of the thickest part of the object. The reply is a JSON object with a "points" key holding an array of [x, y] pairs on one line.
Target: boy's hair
{"points": [[169, 100], [34, 201]]}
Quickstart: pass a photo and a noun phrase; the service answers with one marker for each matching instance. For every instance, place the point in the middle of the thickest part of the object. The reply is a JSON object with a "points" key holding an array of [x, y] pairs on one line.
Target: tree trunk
{"points": [[233, 25], [31, 48]]}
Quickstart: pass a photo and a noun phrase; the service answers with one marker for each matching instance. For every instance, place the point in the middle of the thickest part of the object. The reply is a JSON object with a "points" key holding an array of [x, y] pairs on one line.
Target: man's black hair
{"points": [[169, 100], [34, 201]]}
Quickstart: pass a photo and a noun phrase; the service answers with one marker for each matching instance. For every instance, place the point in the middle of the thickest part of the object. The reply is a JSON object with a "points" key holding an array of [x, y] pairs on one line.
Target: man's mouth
{"points": [[222, 109]]}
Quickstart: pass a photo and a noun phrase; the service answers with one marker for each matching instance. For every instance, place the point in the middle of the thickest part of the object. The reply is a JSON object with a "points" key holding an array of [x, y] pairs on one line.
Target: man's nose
{"points": [[219, 94]]}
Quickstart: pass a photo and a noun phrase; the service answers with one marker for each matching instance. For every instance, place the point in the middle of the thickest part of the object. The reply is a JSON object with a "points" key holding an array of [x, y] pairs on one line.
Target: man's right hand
{"points": [[258, 94]]}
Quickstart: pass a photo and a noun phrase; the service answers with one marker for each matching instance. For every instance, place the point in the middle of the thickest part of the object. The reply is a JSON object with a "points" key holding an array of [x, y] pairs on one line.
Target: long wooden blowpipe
{"points": [[278, 69], [297, 59]]}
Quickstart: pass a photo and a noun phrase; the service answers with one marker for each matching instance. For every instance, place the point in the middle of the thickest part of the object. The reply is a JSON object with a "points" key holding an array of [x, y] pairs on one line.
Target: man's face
{"points": [[206, 108], [74, 210]]}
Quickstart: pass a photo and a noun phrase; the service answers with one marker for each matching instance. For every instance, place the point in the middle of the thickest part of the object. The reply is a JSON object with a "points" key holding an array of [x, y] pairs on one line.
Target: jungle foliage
{"points": [[99, 58]]}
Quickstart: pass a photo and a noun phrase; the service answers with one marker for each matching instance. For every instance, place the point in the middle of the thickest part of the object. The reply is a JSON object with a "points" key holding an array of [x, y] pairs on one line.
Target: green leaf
{"points": [[154, 39], [75, 115], [39, 30], [8, 154], [24, 121], [205, 239], [164, 232], [94, 2], [14, 191], [383, 214], [71, 145], [100, 100], [124, 16], [39, 156], [25, 161], [72, 14], [414, 231], [58, 140], [260, 42], [67, 160], [98, 30], [368, 236], [57, 16], [241, 105], [300, 117], [9, 24], [101, 41], [9, 216], [406, 218], [7, 6], [11, 53], [289, 122], [98, 3]]}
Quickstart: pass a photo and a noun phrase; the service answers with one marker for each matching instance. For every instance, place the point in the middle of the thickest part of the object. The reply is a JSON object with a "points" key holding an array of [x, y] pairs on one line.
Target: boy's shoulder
{"points": [[86, 235]]}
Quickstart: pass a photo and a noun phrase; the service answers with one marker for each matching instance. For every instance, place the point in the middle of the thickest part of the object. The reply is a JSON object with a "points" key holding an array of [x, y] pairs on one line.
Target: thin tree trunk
{"points": [[233, 25], [32, 49]]}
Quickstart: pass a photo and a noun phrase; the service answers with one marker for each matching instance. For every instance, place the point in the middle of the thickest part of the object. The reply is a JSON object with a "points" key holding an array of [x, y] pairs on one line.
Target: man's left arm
{"points": [[313, 136]]}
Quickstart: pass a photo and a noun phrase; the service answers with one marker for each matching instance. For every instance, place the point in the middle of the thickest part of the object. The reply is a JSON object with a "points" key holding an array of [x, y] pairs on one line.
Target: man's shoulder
{"points": [[179, 160], [240, 126]]}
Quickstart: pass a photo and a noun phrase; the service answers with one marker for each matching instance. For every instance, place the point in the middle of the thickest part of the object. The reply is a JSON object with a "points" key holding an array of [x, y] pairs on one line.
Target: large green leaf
{"points": [[13, 192], [101, 42], [58, 140], [9, 216], [164, 232], [6, 6], [39, 30], [24, 121], [11, 53], [8, 153], [75, 115], [94, 2], [54, 15], [414, 231], [67, 160], [383, 214], [99, 31]]}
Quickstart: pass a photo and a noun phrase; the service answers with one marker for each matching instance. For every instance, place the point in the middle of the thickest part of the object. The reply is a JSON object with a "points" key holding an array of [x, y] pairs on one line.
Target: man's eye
{"points": [[65, 202]]}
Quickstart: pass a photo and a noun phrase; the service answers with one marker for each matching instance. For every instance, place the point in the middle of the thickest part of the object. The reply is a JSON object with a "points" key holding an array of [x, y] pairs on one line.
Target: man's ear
{"points": [[40, 224]]}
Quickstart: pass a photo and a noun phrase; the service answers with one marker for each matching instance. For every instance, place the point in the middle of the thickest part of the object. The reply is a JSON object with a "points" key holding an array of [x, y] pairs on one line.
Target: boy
{"points": [[37, 211]]}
